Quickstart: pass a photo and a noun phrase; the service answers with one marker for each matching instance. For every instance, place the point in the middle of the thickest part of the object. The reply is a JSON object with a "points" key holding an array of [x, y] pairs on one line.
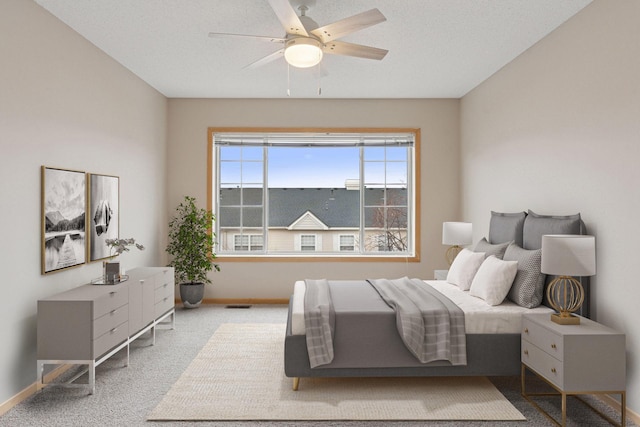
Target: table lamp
{"points": [[567, 256], [456, 234]]}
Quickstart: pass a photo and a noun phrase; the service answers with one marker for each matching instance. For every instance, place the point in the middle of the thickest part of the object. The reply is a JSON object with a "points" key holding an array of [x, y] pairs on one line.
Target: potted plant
{"points": [[191, 240]]}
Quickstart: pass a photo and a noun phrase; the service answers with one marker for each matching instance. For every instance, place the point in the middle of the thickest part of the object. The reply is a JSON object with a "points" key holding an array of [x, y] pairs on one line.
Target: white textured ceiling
{"points": [[437, 48]]}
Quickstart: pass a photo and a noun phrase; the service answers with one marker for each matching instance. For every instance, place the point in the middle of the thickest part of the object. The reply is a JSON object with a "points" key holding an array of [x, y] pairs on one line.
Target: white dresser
{"points": [[88, 324], [574, 359]]}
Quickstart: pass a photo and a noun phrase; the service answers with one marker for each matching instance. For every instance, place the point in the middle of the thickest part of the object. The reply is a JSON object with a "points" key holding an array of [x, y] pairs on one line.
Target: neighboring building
{"points": [[312, 219]]}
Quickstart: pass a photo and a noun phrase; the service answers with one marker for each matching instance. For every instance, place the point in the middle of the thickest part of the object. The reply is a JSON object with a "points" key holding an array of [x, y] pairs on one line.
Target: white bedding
{"points": [[480, 317]]}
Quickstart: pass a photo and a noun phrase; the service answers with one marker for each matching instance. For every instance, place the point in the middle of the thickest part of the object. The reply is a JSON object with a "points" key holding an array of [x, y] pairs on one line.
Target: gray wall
{"points": [[557, 131], [65, 104]]}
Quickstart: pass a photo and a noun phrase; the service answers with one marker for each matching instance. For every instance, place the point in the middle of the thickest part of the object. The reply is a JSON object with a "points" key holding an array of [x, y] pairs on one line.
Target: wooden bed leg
{"points": [[296, 383]]}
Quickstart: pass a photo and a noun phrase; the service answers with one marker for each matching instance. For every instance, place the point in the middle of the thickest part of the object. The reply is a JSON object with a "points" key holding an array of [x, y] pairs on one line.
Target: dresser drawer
{"points": [[551, 343], [163, 306], [110, 339], [110, 320], [166, 276], [544, 364], [164, 291], [111, 300]]}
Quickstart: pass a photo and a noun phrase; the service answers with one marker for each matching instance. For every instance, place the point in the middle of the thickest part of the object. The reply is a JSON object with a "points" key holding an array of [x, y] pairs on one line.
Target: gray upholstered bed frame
{"points": [[487, 354]]}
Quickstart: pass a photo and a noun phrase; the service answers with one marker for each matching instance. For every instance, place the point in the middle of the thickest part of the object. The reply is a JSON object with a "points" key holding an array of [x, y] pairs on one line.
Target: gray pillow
{"points": [[489, 249], [506, 227], [535, 226], [528, 286]]}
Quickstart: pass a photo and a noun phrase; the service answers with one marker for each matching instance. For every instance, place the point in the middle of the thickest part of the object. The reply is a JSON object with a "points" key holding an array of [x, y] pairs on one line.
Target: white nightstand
{"points": [[573, 359], [440, 274]]}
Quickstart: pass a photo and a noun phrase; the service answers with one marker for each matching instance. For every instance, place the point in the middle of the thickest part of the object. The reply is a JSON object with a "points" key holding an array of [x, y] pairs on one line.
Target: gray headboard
{"points": [[526, 229]]}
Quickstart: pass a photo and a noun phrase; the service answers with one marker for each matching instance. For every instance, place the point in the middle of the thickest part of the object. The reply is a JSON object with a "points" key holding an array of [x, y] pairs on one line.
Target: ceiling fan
{"points": [[305, 42]]}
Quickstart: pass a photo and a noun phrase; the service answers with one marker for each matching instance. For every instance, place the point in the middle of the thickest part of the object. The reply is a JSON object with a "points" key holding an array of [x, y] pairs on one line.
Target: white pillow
{"points": [[493, 280], [464, 267]]}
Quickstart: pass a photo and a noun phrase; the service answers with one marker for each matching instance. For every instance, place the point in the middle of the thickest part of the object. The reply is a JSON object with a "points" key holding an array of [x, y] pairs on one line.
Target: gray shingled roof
{"points": [[335, 207]]}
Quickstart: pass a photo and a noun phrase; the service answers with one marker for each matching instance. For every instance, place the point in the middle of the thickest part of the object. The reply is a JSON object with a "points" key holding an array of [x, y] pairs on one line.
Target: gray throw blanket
{"points": [[431, 325], [319, 321]]}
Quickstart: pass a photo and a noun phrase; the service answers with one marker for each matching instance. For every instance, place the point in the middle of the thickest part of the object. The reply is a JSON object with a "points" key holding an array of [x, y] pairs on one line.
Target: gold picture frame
{"points": [[63, 209]]}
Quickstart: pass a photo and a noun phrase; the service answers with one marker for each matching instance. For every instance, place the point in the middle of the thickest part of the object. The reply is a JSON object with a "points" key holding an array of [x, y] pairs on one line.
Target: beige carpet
{"points": [[239, 375]]}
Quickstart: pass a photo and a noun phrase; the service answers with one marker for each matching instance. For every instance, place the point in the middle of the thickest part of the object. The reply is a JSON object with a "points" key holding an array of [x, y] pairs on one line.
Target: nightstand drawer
{"points": [[440, 274], [544, 364], [543, 338]]}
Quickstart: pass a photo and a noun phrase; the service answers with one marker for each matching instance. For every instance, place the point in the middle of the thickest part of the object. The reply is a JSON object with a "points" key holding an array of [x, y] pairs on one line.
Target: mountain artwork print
{"points": [[63, 219]]}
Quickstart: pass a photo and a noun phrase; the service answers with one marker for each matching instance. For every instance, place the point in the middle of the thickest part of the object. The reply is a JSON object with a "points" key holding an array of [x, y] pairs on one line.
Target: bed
{"points": [[366, 342]]}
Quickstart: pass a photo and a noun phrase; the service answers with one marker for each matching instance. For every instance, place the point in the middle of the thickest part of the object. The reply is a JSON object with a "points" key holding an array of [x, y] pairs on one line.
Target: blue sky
{"points": [[311, 167]]}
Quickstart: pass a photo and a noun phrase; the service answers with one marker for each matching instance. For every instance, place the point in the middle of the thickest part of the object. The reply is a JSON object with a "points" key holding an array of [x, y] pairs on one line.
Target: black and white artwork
{"points": [[63, 219], [103, 214]]}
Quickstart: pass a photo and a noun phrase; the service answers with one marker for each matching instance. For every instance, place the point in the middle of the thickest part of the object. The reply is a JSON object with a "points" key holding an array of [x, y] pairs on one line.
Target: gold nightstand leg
{"points": [[563, 395], [623, 408]]}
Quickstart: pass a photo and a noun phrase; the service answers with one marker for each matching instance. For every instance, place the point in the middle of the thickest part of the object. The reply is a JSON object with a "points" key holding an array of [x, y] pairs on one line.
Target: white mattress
{"points": [[479, 317]]}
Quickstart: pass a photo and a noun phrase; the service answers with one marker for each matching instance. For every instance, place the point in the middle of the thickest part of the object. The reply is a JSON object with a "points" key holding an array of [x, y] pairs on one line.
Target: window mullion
{"points": [[265, 198], [362, 228]]}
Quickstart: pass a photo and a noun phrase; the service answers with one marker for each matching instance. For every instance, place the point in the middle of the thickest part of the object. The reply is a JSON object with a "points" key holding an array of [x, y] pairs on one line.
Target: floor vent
{"points": [[238, 306]]}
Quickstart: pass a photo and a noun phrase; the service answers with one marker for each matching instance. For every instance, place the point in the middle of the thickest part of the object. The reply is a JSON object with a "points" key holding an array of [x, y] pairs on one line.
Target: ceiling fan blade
{"points": [[351, 49], [249, 36], [349, 25], [265, 60], [288, 17]]}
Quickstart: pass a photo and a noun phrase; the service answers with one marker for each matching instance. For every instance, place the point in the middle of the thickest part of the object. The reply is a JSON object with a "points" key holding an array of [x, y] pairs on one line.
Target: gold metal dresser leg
{"points": [[296, 383]]}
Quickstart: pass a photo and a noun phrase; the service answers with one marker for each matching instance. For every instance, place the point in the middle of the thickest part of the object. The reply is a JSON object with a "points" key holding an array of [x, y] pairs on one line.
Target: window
{"points": [[247, 242], [347, 242], [308, 242], [278, 193]]}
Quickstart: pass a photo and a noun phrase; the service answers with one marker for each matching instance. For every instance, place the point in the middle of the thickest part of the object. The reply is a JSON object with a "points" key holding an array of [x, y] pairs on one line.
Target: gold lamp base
{"points": [[452, 253], [565, 320], [566, 295]]}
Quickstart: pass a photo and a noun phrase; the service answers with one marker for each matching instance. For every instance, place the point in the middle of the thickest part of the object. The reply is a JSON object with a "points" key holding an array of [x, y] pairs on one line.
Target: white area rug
{"points": [[239, 375]]}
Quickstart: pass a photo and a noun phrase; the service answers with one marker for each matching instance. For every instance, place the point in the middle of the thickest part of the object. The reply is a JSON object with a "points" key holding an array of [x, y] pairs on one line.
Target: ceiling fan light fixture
{"points": [[303, 52]]}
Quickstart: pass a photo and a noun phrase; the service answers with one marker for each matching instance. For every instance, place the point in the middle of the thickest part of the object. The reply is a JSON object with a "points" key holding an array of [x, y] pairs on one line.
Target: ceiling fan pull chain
{"points": [[319, 75], [288, 80]]}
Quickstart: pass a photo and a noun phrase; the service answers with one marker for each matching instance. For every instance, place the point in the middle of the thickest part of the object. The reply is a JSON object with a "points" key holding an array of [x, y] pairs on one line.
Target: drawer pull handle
{"points": [[114, 330], [526, 352], [553, 346], [141, 282], [526, 330], [112, 293], [112, 312], [553, 370]]}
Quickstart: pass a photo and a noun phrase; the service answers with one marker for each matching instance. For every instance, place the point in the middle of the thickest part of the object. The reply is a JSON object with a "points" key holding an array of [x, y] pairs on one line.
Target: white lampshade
{"points": [[568, 255], [457, 233], [303, 52]]}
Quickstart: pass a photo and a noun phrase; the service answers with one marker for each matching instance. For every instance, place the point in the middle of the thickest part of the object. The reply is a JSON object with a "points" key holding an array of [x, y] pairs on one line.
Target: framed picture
{"points": [[103, 219], [63, 206]]}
